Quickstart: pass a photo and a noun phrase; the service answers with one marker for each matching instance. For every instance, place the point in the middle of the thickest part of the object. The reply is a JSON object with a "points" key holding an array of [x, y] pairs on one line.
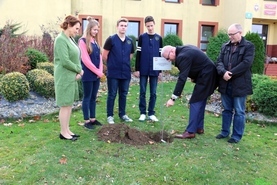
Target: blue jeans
{"points": [[196, 116], [153, 81], [234, 110], [89, 99], [122, 86]]}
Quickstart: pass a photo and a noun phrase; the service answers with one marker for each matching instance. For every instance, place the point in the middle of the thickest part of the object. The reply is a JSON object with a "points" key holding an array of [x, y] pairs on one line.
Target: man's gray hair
{"points": [[164, 49]]}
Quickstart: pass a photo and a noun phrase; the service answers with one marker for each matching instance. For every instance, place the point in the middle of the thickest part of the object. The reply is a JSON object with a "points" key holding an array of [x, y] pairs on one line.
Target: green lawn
{"points": [[31, 153]]}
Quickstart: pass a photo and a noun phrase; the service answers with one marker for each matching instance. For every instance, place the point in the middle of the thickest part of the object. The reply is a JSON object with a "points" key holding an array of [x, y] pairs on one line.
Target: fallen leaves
{"points": [[63, 160], [81, 123], [7, 124]]}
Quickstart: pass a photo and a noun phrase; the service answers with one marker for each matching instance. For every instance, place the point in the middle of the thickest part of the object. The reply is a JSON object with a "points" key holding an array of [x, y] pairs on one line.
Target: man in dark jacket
{"points": [[235, 83], [195, 64]]}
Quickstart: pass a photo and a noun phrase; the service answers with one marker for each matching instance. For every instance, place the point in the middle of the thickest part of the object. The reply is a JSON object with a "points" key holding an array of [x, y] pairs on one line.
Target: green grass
{"points": [[31, 153]]}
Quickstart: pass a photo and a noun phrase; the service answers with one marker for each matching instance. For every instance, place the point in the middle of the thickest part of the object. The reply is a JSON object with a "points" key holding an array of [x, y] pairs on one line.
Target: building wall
{"points": [[34, 13]]}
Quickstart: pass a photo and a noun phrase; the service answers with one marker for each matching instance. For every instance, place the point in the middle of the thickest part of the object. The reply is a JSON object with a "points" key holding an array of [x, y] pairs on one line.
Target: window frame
{"points": [[136, 19], [179, 1], [203, 23], [98, 18], [172, 21], [216, 3]]}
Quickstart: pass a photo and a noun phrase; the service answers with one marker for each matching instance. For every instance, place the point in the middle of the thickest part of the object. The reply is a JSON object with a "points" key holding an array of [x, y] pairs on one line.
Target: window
{"points": [[83, 19], [135, 26], [173, 1], [209, 2], [170, 26], [262, 30], [206, 30]]}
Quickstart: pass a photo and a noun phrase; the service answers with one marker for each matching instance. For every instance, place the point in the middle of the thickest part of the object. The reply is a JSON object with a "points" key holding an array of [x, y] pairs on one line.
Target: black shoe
{"points": [[219, 136], [232, 141], [72, 139], [75, 135], [95, 122], [89, 125]]}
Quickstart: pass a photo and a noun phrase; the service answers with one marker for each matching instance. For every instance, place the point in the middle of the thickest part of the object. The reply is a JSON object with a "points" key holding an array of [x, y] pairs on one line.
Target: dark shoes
{"points": [[72, 139], [75, 135], [232, 141], [185, 135], [89, 125], [219, 136], [95, 122], [200, 131]]}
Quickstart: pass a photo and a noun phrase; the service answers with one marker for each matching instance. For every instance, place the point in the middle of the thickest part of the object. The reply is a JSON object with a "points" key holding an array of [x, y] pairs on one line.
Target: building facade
{"points": [[194, 21]]}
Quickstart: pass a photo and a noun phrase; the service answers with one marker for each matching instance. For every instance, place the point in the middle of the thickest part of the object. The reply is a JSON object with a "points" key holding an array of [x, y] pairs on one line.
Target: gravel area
{"points": [[37, 105]]}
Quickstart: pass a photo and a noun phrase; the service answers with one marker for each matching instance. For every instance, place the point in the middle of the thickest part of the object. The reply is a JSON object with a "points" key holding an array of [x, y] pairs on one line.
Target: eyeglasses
{"points": [[168, 55], [232, 34]]}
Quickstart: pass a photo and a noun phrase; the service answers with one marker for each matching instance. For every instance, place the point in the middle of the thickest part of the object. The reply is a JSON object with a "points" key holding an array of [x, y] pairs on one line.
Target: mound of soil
{"points": [[122, 133]]}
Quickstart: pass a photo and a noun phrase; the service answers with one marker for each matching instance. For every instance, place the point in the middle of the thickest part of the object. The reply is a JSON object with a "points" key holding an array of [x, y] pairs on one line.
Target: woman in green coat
{"points": [[67, 70]]}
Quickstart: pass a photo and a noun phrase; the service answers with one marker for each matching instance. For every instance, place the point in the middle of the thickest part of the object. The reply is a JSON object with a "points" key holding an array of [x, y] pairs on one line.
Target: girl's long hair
{"points": [[91, 23]]}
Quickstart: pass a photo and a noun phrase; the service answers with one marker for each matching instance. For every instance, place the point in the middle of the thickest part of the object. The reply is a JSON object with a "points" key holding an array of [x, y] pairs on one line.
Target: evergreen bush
{"points": [[256, 78], [259, 58], [264, 96], [35, 56], [215, 44], [133, 60], [14, 86], [47, 66], [173, 40], [44, 85], [32, 75], [174, 71], [81, 89]]}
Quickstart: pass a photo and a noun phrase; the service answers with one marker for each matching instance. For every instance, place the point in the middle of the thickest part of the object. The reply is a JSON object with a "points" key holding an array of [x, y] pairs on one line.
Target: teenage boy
{"points": [[118, 51], [149, 46]]}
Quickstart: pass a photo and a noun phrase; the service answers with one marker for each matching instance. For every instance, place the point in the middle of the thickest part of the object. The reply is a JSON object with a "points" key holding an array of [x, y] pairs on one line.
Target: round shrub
{"points": [[35, 56], [44, 85], [264, 96], [259, 58], [34, 74], [174, 71], [257, 78], [14, 86], [215, 44], [173, 40], [47, 66]]}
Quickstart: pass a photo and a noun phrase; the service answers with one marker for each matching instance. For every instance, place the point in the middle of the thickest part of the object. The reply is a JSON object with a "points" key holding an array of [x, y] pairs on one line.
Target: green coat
{"points": [[66, 66]]}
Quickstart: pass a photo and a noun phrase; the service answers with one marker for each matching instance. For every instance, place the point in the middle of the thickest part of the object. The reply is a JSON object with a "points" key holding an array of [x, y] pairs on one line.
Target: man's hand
{"points": [[227, 76], [169, 103]]}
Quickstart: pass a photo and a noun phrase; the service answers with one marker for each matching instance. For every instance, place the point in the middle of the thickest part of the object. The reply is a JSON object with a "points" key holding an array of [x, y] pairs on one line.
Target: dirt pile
{"points": [[122, 133]]}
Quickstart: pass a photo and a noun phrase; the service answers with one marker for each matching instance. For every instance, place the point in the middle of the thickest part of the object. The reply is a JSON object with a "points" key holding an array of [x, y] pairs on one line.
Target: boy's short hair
{"points": [[121, 20], [149, 19]]}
